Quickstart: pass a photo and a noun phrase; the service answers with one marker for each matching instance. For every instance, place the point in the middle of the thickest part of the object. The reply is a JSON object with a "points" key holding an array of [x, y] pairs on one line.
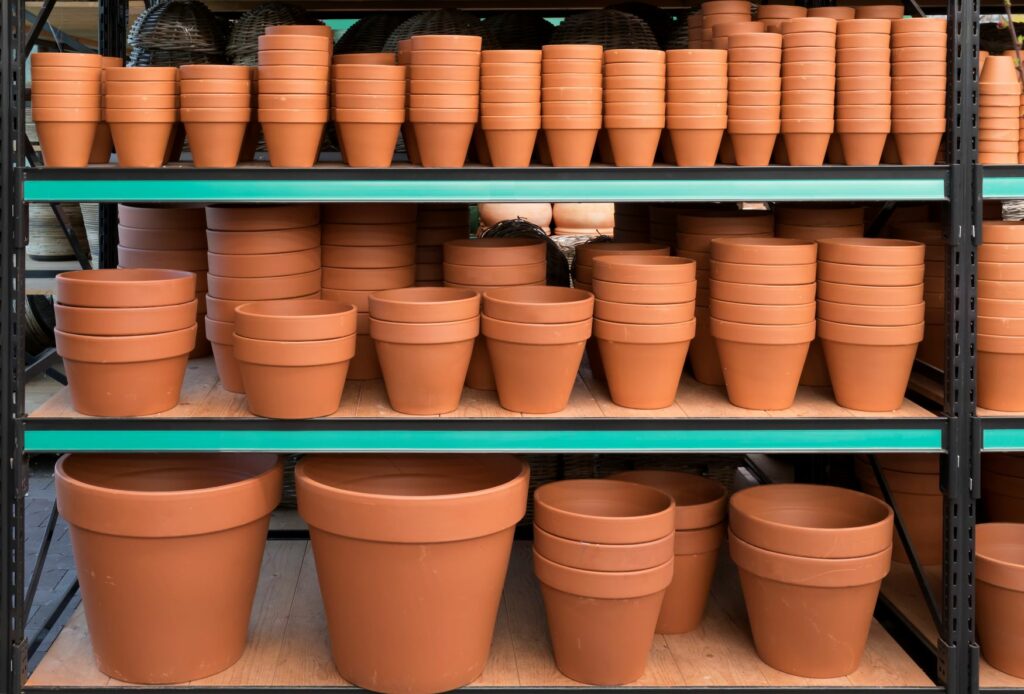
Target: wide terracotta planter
{"points": [[1000, 595], [168, 551], [791, 601], [601, 623], [643, 364], [767, 381], [411, 553], [122, 288], [918, 499], [869, 366]]}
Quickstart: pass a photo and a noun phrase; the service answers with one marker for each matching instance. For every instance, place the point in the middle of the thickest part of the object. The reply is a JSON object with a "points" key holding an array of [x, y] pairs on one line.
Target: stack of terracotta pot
{"points": [[696, 108], [1000, 580], [643, 324], [919, 64], [369, 109], [293, 355], [268, 250], [774, 15], [169, 238], [700, 530], [411, 554], [366, 248], [66, 105], [103, 143], [293, 121], [535, 338], [403, 56], [571, 98], [755, 66], [209, 534], [870, 318], [125, 336], [913, 481], [215, 108], [634, 104], [762, 317], [141, 107], [1001, 316], [424, 339], [811, 561], [1002, 487], [999, 103], [444, 73], [696, 229], [510, 105], [932, 349], [863, 90], [435, 226], [602, 552], [492, 263], [808, 102]]}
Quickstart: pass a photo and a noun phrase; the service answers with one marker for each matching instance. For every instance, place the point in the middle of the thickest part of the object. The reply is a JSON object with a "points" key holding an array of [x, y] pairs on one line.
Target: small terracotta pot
{"points": [[198, 87], [655, 294], [641, 269], [999, 595], [570, 140], [264, 288], [602, 557], [124, 288], [117, 508], [293, 136], [769, 380], [538, 305], [643, 363], [295, 320], [871, 315], [850, 349]]}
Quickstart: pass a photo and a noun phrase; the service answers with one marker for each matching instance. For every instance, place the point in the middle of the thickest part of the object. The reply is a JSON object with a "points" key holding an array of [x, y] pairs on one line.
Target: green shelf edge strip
{"points": [[1002, 440], [112, 190], [538, 441], [1002, 187]]}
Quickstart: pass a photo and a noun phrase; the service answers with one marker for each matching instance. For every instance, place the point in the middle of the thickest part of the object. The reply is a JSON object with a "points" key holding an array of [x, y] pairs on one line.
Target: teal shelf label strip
{"points": [[530, 441], [96, 189], [1002, 187], [1002, 440]]}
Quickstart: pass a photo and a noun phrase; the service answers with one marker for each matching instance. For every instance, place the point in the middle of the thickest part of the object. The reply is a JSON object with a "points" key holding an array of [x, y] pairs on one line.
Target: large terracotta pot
{"points": [[761, 364], [604, 511], [411, 554], [644, 363], [168, 551], [1000, 590], [793, 601], [869, 366], [918, 499]]}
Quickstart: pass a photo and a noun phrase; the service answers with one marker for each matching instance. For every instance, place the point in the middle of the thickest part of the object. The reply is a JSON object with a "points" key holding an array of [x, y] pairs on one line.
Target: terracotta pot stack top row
{"points": [[634, 108], [809, 88], [811, 561], [510, 93], [216, 110], [369, 109], [571, 98], [919, 65], [999, 126], [697, 99], [755, 68], [863, 96], [125, 336], [1001, 316], [141, 108]]}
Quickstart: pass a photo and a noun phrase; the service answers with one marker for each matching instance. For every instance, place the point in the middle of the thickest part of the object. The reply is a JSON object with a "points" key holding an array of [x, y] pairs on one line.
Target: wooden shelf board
{"points": [[288, 644]]}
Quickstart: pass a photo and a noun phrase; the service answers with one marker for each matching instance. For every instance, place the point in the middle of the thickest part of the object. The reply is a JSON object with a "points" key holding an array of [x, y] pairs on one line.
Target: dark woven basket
{"points": [[680, 38], [141, 57], [187, 26], [558, 265], [518, 31], [242, 46], [438, 22], [609, 28], [370, 33], [660, 21]]}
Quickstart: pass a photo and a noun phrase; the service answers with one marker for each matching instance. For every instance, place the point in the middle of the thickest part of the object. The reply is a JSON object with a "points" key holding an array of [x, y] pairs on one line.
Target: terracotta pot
{"points": [[762, 314], [204, 87], [364, 59], [601, 623], [256, 243], [643, 363], [871, 315], [591, 556], [770, 295], [764, 274], [261, 217], [264, 288], [849, 349], [870, 295], [696, 147], [411, 557], [293, 137], [641, 269], [198, 626], [148, 371], [918, 499], [538, 305], [603, 511], [494, 251], [999, 595], [648, 294], [769, 380], [111, 322], [221, 334], [999, 361], [368, 278], [800, 597], [123, 288], [510, 56], [871, 275], [295, 320], [368, 257], [570, 140]]}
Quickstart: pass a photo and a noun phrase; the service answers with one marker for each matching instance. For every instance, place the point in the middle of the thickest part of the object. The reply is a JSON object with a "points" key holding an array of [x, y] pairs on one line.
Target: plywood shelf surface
{"points": [[288, 644]]}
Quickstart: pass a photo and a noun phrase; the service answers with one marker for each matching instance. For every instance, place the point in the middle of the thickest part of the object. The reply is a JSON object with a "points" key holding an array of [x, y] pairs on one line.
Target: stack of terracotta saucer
{"points": [[762, 317], [809, 89], [294, 115], [870, 318], [918, 65], [367, 247], [571, 102], [999, 125], [755, 66], [167, 237], [260, 253], [696, 109], [863, 89], [444, 96], [369, 109], [141, 107], [215, 108], [436, 225], [66, 105], [510, 105], [634, 103]]}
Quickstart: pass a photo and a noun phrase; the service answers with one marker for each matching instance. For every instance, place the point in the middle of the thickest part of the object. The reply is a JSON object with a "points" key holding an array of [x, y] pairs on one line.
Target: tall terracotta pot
{"points": [[168, 551], [411, 553]]}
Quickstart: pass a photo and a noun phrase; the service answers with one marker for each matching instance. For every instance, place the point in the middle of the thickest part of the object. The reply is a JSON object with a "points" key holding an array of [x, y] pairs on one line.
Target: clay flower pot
{"points": [[1000, 590], [293, 135], [411, 554], [869, 366], [121, 288], [510, 140], [769, 381], [215, 135], [144, 629], [753, 141], [148, 320], [919, 500], [369, 138], [1000, 360], [443, 136], [603, 511], [791, 600], [643, 363], [602, 557]]}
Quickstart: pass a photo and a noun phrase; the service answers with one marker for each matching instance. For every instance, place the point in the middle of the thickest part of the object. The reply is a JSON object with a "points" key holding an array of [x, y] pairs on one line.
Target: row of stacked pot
{"points": [[1000, 330]]}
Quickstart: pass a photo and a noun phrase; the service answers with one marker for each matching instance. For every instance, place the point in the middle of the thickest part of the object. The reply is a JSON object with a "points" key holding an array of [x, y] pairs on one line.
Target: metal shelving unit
{"points": [[951, 430]]}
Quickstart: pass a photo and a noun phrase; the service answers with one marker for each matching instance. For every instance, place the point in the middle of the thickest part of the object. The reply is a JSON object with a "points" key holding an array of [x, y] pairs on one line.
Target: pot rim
{"points": [[611, 585], [821, 573], [707, 510], [991, 568]]}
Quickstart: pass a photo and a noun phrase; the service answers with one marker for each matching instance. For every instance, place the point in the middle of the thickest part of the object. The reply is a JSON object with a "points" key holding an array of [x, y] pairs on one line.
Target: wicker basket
{"points": [[176, 32], [516, 31], [660, 21], [680, 38], [242, 45], [39, 323], [46, 240], [438, 22], [610, 28], [91, 219], [370, 33]]}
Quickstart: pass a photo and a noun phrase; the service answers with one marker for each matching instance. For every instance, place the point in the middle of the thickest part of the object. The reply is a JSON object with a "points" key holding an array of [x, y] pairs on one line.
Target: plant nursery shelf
{"points": [[1002, 182], [404, 183], [1001, 431], [288, 645], [702, 420]]}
